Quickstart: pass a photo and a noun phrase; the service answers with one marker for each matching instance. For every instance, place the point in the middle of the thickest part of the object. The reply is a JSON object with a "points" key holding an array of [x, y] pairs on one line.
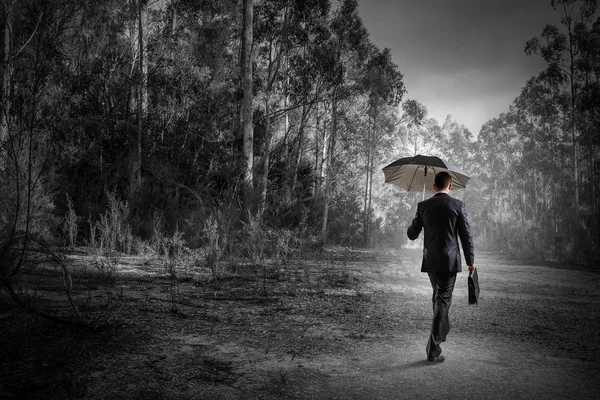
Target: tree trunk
{"points": [[316, 189], [266, 157], [135, 170], [534, 196], [593, 182], [369, 205], [286, 117], [575, 174], [572, 122], [365, 196], [267, 147], [328, 175], [6, 72], [298, 155], [173, 17], [247, 122], [143, 27], [367, 185]]}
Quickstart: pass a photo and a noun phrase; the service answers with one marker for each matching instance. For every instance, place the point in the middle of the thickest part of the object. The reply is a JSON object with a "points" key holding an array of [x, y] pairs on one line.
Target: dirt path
{"points": [[533, 336], [474, 368], [345, 325]]}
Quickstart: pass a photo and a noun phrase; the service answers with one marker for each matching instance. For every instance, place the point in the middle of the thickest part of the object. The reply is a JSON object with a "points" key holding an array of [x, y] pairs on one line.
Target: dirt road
{"points": [[533, 335], [343, 325]]}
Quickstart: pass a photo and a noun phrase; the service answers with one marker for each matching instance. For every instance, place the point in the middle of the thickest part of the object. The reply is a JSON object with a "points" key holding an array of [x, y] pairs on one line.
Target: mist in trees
{"points": [[541, 156]]}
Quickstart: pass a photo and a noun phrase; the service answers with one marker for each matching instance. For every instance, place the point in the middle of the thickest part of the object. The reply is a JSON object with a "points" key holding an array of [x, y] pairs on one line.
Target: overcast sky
{"points": [[460, 57]]}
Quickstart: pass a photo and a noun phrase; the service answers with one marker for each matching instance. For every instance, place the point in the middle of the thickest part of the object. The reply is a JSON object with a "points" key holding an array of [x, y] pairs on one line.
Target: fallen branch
{"points": [[68, 282]]}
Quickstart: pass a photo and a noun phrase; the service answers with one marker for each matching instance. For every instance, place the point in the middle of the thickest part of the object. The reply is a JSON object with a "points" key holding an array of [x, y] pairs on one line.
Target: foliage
{"points": [[540, 157], [255, 240], [83, 109], [113, 227], [70, 223], [216, 244]]}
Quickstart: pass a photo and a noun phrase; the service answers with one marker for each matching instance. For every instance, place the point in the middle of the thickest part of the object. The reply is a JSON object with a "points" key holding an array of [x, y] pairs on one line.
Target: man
{"points": [[444, 220]]}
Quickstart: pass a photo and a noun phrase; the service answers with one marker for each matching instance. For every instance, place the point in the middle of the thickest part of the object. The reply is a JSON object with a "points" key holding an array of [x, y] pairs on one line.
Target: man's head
{"points": [[443, 182]]}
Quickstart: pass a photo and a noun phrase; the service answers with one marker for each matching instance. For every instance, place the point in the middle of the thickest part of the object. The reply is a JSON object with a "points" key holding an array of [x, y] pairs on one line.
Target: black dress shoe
{"points": [[436, 359]]}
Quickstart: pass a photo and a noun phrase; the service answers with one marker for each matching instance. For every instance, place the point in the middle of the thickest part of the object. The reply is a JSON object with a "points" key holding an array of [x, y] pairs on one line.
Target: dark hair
{"points": [[442, 180]]}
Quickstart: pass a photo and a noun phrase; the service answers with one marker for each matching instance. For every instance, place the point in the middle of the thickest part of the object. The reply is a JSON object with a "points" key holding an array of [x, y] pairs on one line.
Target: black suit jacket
{"points": [[445, 220]]}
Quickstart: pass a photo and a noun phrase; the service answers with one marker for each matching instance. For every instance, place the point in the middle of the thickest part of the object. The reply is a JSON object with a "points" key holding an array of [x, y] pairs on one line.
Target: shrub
{"points": [[215, 244], [70, 223], [255, 239], [282, 249], [26, 218], [113, 227], [93, 231]]}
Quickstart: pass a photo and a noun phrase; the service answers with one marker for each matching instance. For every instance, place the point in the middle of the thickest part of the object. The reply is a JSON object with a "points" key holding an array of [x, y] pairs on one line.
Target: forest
{"points": [[227, 128], [192, 205]]}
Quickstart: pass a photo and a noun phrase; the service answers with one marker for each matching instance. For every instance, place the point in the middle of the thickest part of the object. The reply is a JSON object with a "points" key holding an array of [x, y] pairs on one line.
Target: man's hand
{"points": [[472, 267]]}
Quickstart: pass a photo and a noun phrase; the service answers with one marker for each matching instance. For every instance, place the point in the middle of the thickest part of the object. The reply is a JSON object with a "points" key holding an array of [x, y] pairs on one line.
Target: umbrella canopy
{"points": [[415, 174]]}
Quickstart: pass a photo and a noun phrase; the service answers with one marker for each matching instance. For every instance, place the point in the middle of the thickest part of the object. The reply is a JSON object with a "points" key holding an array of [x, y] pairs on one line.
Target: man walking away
{"points": [[444, 220]]}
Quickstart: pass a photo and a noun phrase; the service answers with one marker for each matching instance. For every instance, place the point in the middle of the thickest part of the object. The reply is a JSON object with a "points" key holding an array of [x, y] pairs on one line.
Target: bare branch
{"points": [[28, 40]]}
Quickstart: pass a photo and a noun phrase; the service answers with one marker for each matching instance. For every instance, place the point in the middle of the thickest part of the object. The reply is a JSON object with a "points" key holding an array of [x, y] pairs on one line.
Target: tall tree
{"points": [[246, 117], [345, 50], [384, 88], [139, 27], [27, 216], [561, 51], [8, 7], [457, 138], [588, 38]]}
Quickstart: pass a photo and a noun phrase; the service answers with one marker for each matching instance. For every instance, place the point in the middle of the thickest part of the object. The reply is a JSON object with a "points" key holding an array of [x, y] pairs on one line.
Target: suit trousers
{"points": [[443, 286]]}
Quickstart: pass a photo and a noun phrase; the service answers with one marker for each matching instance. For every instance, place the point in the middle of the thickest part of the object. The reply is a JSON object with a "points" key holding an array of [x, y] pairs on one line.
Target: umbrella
{"points": [[417, 173]]}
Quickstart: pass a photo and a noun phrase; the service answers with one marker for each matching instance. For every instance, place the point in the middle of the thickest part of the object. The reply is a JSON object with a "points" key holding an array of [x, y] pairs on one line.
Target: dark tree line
{"points": [[183, 110]]}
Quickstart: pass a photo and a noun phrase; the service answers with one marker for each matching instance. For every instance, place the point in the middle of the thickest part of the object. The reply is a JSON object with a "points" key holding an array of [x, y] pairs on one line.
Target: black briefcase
{"points": [[473, 283]]}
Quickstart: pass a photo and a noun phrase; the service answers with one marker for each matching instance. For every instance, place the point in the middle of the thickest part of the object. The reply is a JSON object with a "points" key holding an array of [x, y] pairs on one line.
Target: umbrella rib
{"points": [[413, 178], [395, 173], [458, 178]]}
